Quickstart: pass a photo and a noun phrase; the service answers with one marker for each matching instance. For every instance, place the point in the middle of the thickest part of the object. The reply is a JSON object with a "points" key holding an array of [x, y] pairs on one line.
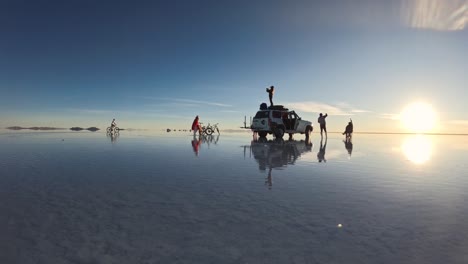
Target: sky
{"points": [[158, 64]]}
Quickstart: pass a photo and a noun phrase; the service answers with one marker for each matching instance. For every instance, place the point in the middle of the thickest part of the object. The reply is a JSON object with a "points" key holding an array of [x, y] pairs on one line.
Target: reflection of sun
{"points": [[418, 117], [417, 148]]}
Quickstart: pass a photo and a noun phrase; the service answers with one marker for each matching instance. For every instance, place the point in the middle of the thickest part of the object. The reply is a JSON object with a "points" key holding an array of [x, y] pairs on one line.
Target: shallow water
{"points": [[153, 197]]}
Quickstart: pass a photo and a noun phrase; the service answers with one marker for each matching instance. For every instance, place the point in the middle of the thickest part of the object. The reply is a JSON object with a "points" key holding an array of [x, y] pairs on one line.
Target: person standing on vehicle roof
{"points": [[323, 124], [270, 92]]}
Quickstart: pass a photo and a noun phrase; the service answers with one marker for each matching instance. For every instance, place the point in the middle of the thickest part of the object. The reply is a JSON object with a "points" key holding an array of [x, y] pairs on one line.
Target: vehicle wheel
{"points": [[279, 132], [108, 130], [262, 134], [308, 131], [208, 131]]}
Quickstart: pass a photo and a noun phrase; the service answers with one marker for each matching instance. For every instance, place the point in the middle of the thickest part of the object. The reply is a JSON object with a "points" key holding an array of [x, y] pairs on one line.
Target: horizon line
{"points": [[245, 129]]}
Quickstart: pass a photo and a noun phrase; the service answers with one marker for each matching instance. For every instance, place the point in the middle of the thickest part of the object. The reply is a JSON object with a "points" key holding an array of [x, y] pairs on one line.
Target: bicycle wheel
{"points": [[208, 131], [108, 129]]}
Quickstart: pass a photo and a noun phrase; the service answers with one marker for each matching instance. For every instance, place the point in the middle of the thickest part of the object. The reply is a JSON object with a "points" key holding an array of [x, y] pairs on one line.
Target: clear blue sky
{"points": [[157, 64]]}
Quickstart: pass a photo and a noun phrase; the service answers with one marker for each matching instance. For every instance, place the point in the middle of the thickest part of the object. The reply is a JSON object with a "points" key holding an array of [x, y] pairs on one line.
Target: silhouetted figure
{"points": [[270, 92], [348, 145], [196, 126], [113, 124], [323, 124], [321, 153], [349, 129]]}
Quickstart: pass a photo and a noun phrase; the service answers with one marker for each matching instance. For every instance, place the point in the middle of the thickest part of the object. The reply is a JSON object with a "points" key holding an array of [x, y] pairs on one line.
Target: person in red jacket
{"points": [[196, 126]]}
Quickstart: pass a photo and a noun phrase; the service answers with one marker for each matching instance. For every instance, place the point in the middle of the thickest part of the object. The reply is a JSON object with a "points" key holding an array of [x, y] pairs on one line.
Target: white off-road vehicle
{"points": [[278, 120]]}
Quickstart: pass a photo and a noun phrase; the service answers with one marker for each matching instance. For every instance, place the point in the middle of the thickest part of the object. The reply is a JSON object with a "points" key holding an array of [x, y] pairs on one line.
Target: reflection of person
{"points": [[196, 145], [321, 153], [323, 124], [269, 179], [348, 145], [349, 129], [270, 92], [196, 126], [308, 144]]}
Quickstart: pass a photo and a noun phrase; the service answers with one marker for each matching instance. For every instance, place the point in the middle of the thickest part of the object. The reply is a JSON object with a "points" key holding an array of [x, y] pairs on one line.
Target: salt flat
{"points": [[153, 197]]}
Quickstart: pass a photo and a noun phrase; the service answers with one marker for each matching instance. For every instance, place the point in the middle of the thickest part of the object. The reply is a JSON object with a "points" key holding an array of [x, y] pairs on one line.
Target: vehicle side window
{"points": [[276, 114], [262, 114]]}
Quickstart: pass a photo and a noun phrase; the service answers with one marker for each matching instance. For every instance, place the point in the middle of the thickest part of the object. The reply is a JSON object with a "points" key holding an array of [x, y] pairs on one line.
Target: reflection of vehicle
{"points": [[278, 153], [278, 120]]}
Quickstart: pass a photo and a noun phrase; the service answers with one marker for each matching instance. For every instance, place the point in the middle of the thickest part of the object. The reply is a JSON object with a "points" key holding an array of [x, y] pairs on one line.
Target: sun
{"points": [[418, 117]]}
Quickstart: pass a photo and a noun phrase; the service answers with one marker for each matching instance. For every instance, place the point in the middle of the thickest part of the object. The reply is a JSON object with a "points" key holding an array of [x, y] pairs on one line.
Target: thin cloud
{"points": [[360, 111], [441, 15], [458, 122], [337, 109], [229, 111], [187, 101], [390, 116], [92, 111]]}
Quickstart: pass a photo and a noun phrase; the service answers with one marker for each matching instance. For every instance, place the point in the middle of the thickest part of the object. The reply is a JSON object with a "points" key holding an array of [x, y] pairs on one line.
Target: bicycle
{"points": [[215, 127], [209, 129], [112, 130]]}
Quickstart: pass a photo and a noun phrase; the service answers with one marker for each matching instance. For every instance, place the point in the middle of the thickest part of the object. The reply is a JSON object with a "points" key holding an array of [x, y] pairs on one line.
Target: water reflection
{"points": [[272, 154], [210, 139], [113, 137], [321, 153], [207, 139], [196, 142], [417, 148], [348, 145]]}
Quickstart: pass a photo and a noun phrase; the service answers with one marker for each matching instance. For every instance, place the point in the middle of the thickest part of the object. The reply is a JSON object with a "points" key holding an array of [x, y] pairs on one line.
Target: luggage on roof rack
{"points": [[277, 107]]}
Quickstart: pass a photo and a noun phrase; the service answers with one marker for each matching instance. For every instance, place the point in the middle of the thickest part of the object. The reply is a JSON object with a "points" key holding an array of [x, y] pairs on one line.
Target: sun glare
{"points": [[418, 118], [417, 148]]}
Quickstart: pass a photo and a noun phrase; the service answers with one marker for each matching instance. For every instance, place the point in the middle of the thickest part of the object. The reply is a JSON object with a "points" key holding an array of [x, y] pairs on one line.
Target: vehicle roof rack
{"points": [[278, 107]]}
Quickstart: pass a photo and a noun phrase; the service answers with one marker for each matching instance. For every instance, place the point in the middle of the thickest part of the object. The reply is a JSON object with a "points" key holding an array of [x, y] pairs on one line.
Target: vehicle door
{"points": [[300, 124], [260, 121], [294, 120]]}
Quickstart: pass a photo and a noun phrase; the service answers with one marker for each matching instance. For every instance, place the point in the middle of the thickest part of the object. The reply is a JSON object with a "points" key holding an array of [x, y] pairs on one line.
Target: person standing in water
{"points": [[270, 92], [323, 124]]}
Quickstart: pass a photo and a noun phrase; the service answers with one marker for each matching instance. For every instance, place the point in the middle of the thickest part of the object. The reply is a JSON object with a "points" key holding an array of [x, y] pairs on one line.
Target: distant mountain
{"points": [[34, 128], [92, 129], [15, 128]]}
